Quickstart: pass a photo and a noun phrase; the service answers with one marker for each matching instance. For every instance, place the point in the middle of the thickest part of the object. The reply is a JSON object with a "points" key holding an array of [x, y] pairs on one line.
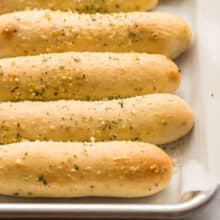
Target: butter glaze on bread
{"points": [[86, 76], [115, 169], [156, 119], [45, 31], [85, 6]]}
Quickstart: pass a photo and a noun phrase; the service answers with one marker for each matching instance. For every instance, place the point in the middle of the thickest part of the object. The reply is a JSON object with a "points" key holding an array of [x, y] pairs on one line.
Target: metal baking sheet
{"points": [[82, 209], [186, 193]]}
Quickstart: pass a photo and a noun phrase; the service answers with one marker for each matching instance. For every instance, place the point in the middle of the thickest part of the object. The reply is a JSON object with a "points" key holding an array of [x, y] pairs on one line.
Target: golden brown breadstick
{"points": [[116, 169], [36, 32], [156, 119], [86, 76], [85, 6]]}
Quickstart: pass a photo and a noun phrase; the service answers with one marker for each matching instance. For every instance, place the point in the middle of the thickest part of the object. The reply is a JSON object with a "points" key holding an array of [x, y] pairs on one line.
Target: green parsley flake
{"points": [[42, 179]]}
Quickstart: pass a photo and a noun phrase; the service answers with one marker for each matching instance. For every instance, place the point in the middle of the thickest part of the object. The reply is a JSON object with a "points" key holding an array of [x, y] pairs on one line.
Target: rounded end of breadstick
{"points": [[161, 170], [184, 37], [173, 74], [151, 4], [172, 118]]}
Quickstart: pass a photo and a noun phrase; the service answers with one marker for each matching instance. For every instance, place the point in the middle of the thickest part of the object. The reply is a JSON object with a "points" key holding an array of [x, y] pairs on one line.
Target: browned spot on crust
{"points": [[173, 76], [184, 123], [9, 31]]}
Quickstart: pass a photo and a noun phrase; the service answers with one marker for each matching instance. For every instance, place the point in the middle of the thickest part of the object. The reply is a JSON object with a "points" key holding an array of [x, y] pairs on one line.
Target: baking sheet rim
{"points": [[198, 200]]}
